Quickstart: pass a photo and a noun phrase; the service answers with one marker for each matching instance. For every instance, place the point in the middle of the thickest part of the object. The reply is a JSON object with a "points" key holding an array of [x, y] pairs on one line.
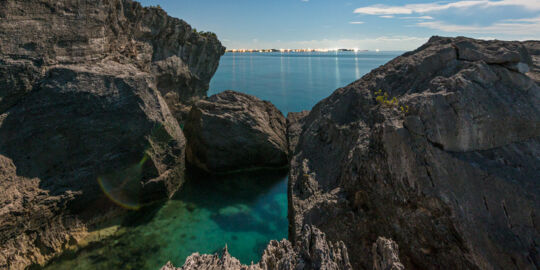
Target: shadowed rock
{"points": [[449, 169], [295, 120], [83, 120], [233, 131]]}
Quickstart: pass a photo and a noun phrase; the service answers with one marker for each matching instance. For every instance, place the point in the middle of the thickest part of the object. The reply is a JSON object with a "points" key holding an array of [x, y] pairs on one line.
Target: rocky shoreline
{"points": [[437, 151], [91, 94]]}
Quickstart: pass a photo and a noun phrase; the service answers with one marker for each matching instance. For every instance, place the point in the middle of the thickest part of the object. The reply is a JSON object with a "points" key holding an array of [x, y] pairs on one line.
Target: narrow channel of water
{"points": [[244, 211]]}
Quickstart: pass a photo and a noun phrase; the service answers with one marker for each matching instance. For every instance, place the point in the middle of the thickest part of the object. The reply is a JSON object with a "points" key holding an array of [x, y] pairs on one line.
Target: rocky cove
{"points": [[429, 161]]}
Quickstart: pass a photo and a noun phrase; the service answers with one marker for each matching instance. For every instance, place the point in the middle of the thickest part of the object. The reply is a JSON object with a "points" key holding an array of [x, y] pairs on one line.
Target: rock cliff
{"points": [[438, 149], [88, 95], [234, 131]]}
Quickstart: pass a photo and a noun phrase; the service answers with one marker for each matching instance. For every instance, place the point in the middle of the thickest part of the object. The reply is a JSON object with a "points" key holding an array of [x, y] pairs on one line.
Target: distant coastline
{"points": [[293, 50]]}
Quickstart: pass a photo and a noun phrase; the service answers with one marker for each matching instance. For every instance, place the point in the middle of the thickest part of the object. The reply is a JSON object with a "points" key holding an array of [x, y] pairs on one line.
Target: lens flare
{"points": [[124, 187]]}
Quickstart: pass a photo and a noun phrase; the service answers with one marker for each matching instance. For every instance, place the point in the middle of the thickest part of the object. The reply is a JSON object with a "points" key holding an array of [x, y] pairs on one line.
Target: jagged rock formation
{"points": [[82, 87], [533, 47], [449, 169], [312, 252], [295, 121], [386, 255], [234, 131]]}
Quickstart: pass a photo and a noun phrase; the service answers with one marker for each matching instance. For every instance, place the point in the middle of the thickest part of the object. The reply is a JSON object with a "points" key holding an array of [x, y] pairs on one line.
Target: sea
{"points": [[243, 211]]}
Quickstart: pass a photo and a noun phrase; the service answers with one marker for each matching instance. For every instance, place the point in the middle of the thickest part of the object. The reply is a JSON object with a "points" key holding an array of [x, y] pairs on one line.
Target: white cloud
{"points": [[530, 26], [417, 18], [387, 16], [382, 10], [431, 7], [356, 22], [385, 43]]}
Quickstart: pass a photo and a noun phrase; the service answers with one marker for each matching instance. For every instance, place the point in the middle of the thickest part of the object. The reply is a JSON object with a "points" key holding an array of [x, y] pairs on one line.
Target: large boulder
{"points": [[449, 169], [234, 131], [84, 124]]}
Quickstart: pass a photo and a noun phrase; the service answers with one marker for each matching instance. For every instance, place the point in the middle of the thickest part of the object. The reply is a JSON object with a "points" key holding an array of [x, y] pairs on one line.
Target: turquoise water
{"points": [[293, 81], [246, 210]]}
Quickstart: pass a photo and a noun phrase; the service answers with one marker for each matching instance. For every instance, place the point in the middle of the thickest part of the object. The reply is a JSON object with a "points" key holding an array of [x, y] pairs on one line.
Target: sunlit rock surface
{"points": [[88, 95], [234, 131], [449, 170]]}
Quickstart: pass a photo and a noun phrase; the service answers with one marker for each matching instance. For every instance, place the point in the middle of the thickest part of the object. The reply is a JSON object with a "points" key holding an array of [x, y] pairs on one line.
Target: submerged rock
{"points": [[233, 131], [311, 253], [449, 168], [83, 118]]}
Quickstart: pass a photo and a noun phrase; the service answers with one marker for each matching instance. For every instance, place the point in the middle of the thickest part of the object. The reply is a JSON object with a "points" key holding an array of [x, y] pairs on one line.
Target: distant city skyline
{"points": [[364, 25]]}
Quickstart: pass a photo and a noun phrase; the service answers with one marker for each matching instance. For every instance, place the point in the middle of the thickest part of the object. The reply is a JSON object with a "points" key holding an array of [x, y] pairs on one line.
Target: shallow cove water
{"points": [[244, 211]]}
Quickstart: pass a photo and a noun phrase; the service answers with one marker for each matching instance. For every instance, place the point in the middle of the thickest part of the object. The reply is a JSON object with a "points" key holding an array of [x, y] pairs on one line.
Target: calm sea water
{"points": [[293, 81], [244, 211]]}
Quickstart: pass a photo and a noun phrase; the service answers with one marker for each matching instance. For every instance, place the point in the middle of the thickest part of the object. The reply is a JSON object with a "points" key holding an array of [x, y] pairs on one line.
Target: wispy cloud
{"points": [[529, 26], [431, 7], [387, 16], [356, 22], [435, 16], [383, 43], [417, 18]]}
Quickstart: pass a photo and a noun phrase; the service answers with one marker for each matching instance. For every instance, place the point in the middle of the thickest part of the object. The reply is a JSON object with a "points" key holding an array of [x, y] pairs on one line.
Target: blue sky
{"points": [[385, 25]]}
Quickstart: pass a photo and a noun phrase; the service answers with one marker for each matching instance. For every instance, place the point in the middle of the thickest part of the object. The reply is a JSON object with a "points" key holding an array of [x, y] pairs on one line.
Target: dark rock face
{"points": [[452, 176], [38, 34], [311, 253], [295, 121], [82, 109], [234, 131]]}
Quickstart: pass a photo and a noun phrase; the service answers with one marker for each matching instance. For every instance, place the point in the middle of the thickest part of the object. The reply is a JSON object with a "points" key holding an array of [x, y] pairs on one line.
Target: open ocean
{"points": [[243, 211], [294, 81]]}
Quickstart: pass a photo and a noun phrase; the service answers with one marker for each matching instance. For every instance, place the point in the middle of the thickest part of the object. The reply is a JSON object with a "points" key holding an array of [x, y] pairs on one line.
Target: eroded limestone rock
{"points": [[82, 109], [450, 170], [312, 252], [234, 131]]}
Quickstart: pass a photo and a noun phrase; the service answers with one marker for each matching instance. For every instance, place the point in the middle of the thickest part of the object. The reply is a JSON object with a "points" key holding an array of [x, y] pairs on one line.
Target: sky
{"points": [[362, 24]]}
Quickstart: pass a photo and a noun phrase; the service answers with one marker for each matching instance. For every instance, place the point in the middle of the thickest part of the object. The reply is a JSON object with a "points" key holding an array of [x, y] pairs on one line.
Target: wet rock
{"points": [[82, 109], [449, 170], [233, 131], [311, 253]]}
